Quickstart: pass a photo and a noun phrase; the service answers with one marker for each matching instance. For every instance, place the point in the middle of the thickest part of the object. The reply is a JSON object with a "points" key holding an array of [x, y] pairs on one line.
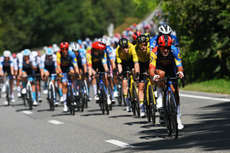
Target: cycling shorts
{"points": [[144, 67]]}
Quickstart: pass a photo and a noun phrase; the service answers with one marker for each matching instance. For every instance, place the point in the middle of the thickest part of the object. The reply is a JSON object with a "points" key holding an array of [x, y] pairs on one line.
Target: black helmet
{"points": [[123, 42], [142, 38]]}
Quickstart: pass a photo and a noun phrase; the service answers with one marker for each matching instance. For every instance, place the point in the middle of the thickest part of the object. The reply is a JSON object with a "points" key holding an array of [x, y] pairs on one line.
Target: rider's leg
{"points": [[160, 87]]}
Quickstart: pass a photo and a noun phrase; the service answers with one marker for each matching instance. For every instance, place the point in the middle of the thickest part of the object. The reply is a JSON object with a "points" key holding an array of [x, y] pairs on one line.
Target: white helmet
{"points": [[102, 40], [34, 53], [45, 47], [19, 55], [6, 53], [75, 47], [26, 52], [164, 29], [49, 51]]}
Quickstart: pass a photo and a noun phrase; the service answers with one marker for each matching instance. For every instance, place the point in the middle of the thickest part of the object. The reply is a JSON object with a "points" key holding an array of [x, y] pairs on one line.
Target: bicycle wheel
{"points": [[152, 104], [132, 103], [8, 95], [173, 114], [104, 97], [81, 95], [68, 100], [30, 99], [119, 90], [147, 104], [52, 98], [136, 102], [72, 107], [166, 114], [24, 99]]}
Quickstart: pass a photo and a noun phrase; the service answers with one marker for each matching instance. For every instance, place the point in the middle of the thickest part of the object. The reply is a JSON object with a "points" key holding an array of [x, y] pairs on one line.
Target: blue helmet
{"points": [[26, 52], [79, 41], [49, 51]]}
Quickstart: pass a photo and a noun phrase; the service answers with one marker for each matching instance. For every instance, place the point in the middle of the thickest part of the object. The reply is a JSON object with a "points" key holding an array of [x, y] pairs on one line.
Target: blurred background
{"points": [[202, 27]]}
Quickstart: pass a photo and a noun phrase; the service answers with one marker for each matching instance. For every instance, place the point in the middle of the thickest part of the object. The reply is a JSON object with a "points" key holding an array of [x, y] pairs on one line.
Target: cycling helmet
{"points": [[34, 53], [44, 48], [148, 36], [64, 45], [6, 53], [165, 41], [79, 41], [87, 39], [164, 30], [26, 52], [102, 40], [123, 42], [49, 51], [75, 47], [98, 46], [142, 38], [136, 34], [19, 55]]}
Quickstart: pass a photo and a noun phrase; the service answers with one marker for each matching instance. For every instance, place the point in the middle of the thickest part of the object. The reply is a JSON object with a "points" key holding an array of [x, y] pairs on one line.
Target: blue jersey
{"points": [[154, 42], [81, 59]]}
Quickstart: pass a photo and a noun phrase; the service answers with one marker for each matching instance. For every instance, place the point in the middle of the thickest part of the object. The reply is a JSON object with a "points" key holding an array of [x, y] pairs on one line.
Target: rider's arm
{"points": [[178, 63], [89, 61], [153, 61], [1, 66], [135, 60], [33, 63], [104, 62], [11, 65], [74, 62], [58, 69], [83, 60], [20, 66], [42, 65]]}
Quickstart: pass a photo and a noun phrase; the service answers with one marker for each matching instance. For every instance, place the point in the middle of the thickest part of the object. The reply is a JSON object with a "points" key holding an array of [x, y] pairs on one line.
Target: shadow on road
{"points": [[210, 133], [118, 116]]}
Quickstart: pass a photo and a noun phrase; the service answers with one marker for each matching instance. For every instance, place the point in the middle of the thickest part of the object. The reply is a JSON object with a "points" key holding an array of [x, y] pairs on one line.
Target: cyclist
{"points": [[27, 66], [81, 62], [165, 61], [37, 73], [48, 67], [111, 63], [66, 63], [135, 35], [97, 59], [126, 58], [164, 30], [7, 65], [143, 52]]}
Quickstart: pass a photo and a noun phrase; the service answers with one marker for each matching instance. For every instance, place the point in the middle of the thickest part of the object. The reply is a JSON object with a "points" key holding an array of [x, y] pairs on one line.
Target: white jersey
{"points": [[22, 63], [3, 63], [45, 62], [15, 64], [38, 61]]}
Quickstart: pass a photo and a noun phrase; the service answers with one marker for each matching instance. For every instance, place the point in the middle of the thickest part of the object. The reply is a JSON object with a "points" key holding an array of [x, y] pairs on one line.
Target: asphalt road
{"points": [[206, 121]]}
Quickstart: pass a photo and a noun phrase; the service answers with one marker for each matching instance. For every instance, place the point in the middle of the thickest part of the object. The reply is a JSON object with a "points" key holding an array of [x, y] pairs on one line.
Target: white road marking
{"points": [[27, 112], [119, 143], [203, 97], [55, 122]]}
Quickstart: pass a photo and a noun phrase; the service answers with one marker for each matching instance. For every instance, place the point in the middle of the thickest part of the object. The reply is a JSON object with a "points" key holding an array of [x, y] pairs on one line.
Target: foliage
{"points": [[28, 24]]}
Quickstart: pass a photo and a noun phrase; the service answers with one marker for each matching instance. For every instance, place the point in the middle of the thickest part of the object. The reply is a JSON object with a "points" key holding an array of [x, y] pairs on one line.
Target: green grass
{"points": [[213, 86]]}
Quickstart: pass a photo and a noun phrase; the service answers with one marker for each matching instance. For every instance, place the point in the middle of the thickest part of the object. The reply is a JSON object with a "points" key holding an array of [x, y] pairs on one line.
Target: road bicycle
{"points": [[170, 106]]}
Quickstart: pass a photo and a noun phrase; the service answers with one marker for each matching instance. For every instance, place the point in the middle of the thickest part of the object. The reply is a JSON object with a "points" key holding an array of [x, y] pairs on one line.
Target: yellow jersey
{"points": [[120, 55]]}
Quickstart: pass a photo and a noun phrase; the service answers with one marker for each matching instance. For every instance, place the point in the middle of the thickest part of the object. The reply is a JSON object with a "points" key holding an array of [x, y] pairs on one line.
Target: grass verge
{"points": [[213, 86]]}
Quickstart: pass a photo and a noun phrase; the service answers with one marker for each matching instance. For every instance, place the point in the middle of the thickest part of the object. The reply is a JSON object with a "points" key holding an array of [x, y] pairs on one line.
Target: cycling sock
{"points": [[127, 100], [159, 92], [115, 87], [142, 105], [178, 111], [45, 85], [34, 96], [23, 84], [95, 89], [64, 97], [107, 89], [19, 88], [60, 91], [12, 94], [39, 94]]}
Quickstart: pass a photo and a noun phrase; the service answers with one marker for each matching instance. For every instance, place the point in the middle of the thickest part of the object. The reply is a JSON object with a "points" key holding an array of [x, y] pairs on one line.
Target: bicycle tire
{"points": [[36, 89], [81, 87], [173, 114], [152, 104], [30, 100], [104, 97], [166, 115], [119, 95], [24, 99], [52, 98], [136, 102], [0, 92], [72, 107], [147, 105], [69, 100], [132, 103], [8, 95]]}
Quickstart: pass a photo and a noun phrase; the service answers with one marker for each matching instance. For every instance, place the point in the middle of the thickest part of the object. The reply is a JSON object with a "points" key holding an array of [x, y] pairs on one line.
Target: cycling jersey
{"points": [[156, 58], [81, 59], [68, 61], [47, 64], [143, 56], [6, 65], [15, 64], [110, 53], [23, 65], [92, 58], [121, 56], [154, 42]]}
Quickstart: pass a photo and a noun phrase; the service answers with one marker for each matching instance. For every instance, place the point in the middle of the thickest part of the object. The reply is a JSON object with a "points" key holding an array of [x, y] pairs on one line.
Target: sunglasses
{"points": [[163, 47]]}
